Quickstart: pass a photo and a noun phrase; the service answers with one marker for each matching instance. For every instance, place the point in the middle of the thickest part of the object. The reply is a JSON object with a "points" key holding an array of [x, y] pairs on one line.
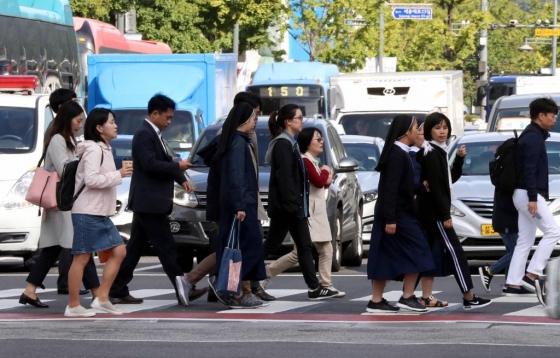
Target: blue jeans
{"points": [[510, 240]]}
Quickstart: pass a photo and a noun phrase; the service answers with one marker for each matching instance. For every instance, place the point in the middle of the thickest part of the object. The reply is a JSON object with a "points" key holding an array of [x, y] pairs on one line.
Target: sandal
{"points": [[433, 302]]}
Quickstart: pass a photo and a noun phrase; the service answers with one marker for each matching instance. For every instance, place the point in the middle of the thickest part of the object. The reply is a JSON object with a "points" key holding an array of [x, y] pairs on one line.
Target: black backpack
{"points": [[503, 174], [65, 188]]}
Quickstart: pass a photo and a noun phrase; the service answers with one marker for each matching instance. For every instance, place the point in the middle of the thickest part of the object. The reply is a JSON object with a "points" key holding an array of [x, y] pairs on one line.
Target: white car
{"points": [[366, 150], [23, 120], [472, 210]]}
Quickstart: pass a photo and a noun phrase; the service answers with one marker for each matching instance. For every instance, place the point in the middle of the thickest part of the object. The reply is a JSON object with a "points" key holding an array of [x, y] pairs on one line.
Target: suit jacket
{"points": [[151, 185]]}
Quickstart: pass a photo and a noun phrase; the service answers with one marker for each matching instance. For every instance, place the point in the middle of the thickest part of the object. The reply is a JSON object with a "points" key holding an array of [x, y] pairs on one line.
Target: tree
{"points": [[449, 6], [255, 18], [102, 10], [175, 22], [320, 26]]}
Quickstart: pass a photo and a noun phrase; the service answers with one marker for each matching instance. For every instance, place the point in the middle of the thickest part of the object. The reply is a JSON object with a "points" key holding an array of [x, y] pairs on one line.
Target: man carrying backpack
{"points": [[529, 198]]}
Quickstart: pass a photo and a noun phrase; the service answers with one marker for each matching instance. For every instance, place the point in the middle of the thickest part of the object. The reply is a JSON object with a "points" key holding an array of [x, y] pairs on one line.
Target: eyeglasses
{"points": [[320, 140], [299, 117]]}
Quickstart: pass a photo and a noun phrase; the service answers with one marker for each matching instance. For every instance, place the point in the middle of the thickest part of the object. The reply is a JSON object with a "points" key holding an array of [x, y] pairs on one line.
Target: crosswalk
{"points": [[288, 300]]}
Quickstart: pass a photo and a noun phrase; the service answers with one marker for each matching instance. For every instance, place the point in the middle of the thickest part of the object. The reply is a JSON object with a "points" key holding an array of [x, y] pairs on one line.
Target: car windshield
{"points": [[480, 154], [371, 124], [179, 134], [366, 154], [18, 130], [510, 114], [263, 139]]}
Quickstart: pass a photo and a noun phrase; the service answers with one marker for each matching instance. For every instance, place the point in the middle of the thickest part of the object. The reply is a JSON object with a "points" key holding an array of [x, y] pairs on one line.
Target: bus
{"points": [[96, 37], [303, 83], [38, 38]]}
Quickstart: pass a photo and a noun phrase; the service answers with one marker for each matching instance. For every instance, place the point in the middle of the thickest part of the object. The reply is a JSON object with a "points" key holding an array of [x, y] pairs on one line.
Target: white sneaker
{"points": [[105, 307], [339, 294], [78, 311]]}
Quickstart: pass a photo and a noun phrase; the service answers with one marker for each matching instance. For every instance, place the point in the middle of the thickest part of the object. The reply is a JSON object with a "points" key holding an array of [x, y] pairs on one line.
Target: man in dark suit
{"points": [[151, 200]]}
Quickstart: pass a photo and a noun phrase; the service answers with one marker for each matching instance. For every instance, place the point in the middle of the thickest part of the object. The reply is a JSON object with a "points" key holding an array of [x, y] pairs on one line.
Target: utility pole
{"points": [[554, 42], [483, 62], [381, 38]]}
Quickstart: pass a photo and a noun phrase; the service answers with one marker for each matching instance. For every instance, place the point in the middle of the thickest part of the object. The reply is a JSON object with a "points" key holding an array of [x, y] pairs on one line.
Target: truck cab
{"points": [[366, 103], [202, 86], [24, 116], [303, 83]]}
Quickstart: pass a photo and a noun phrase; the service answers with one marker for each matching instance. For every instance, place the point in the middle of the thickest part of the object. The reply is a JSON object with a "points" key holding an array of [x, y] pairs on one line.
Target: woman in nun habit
{"points": [[398, 247], [239, 192]]}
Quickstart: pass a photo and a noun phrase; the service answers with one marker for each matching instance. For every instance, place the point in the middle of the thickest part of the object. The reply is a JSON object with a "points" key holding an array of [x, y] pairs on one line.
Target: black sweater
{"points": [[436, 204], [531, 161], [396, 197], [285, 190]]}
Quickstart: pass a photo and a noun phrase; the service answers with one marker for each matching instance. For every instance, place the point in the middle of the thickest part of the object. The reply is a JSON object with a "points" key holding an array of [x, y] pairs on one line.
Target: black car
{"points": [[344, 197]]}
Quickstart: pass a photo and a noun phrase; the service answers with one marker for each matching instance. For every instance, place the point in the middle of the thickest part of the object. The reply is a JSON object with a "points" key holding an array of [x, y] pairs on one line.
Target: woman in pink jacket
{"points": [[93, 230]]}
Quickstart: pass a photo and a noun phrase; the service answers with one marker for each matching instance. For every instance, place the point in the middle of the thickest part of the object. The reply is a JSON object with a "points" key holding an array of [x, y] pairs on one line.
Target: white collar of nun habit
{"points": [[403, 146]]}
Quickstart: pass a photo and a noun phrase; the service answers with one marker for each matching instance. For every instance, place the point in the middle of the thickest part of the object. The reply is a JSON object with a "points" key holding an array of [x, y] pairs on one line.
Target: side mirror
{"points": [[347, 165], [451, 139], [480, 96]]}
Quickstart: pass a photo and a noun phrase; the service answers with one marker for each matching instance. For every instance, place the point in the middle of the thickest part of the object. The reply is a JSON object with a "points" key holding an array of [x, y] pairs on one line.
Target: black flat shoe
{"points": [[24, 300]]}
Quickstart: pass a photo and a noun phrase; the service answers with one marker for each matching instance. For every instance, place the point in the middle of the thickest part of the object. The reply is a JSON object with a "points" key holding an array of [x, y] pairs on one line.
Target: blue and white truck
{"points": [[202, 85]]}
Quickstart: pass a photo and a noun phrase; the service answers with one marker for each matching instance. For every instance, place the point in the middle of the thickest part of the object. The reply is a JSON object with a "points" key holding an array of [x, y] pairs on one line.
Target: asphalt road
{"points": [[290, 327]]}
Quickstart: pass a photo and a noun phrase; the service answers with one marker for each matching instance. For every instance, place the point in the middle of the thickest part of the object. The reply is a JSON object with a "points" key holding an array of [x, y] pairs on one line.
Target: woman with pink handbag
{"points": [[56, 226]]}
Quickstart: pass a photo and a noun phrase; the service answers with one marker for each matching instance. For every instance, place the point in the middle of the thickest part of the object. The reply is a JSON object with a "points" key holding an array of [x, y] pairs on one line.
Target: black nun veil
{"points": [[238, 115], [400, 125]]}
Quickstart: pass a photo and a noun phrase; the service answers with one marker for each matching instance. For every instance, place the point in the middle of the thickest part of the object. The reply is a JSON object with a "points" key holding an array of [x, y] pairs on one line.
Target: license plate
{"points": [[487, 230]]}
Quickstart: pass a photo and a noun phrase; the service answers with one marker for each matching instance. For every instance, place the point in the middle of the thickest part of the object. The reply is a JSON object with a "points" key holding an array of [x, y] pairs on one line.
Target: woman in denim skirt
{"points": [[93, 230]]}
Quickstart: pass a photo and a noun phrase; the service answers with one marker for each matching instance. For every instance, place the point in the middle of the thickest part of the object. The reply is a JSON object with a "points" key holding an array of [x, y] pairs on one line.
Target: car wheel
{"points": [[352, 255], [337, 251]]}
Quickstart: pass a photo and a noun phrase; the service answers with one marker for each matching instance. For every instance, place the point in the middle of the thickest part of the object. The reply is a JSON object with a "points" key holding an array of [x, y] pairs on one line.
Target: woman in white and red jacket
{"points": [[93, 230]]}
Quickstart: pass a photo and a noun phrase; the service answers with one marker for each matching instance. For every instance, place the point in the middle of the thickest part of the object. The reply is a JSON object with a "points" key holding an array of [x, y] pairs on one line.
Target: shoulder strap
{"points": [[84, 185]]}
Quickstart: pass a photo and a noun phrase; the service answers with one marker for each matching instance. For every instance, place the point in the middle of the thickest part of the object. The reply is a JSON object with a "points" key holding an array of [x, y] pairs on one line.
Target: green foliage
{"points": [[193, 25]]}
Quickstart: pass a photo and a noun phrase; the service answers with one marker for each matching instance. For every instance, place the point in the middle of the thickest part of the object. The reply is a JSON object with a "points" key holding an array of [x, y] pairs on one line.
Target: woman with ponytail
{"points": [[288, 195]]}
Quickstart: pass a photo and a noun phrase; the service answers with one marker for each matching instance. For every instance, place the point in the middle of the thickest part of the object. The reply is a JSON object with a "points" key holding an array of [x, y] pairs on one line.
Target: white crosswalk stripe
{"points": [[16, 292], [278, 306]]}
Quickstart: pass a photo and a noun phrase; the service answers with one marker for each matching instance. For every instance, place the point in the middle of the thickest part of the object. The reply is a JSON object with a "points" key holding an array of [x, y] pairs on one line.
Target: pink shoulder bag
{"points": [[42, 191]]}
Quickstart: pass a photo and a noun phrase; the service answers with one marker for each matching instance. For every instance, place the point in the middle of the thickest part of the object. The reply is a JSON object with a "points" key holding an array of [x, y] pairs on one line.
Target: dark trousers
{"points": [[64, 263], [454, 255], [147, 228], [47, 258], [299, 229]]}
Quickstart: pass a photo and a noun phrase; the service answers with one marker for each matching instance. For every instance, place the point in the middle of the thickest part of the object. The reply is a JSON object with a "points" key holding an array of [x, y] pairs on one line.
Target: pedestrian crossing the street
{"points": [[288, 301]]}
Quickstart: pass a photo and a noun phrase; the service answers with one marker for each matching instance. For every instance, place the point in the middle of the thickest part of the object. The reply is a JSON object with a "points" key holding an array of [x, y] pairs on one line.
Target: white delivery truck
{"points": [[537, 84], [366, 103], [24, 117]]}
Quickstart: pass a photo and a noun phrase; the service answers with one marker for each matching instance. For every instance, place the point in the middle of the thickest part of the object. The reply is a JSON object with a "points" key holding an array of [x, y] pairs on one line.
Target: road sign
{"points": [[547, 32], [412, 13]]}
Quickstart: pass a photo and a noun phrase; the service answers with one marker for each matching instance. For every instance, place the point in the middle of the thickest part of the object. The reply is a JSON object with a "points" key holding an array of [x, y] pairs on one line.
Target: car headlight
{"points": [[556, 212], [369, 197], [367, 227], [456, 212], [181, 197], [16, 197]]}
